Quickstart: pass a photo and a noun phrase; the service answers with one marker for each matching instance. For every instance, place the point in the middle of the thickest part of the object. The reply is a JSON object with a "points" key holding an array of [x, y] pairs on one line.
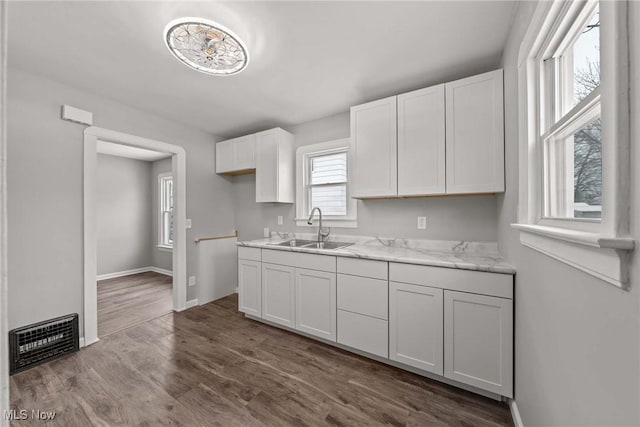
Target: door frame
{"points": [[178, 166]]}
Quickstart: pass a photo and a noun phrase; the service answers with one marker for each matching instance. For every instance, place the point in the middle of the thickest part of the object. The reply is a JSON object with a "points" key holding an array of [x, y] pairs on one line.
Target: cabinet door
{"points": [[478, 337], [475, 134], [267, 166], [421, 142], [275, 166], [224, 156], [415, 326], [316, 303], [278, 294], [250, 287], [243, 153], [374, 149]]}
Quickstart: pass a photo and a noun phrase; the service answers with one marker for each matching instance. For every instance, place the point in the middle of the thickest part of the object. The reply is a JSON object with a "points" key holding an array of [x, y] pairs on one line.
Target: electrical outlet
{"points": [[422, 223], [279, 219], [266, 232], [192, 280], [187, 223]]}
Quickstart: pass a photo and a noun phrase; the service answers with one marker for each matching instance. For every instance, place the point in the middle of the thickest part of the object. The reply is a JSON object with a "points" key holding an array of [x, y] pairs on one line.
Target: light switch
{"points": [[187, 223], [279, 219], [192, 280], [422, 223]]}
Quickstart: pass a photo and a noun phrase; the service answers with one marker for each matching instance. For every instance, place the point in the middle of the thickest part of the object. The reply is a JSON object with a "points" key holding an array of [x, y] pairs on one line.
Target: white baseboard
{"points": [[161, 271], [515, 413], [192, 303], [85, 344], [134, 271]]}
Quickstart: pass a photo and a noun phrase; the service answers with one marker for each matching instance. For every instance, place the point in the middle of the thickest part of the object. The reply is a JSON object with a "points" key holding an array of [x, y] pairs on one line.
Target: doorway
{"points": [[134, 195], [178, 165]]}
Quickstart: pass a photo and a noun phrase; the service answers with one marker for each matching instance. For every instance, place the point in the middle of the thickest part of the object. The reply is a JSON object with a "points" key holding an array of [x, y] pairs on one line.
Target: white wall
{"points": [[123, 207], [577, 338], [448, 218], [161, 258], [45, 197]]}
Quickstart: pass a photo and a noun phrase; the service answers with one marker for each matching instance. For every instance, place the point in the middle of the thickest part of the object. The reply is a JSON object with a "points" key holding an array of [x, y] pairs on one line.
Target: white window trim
{"points": [[302, 153], [605, 252], [162, 246]]}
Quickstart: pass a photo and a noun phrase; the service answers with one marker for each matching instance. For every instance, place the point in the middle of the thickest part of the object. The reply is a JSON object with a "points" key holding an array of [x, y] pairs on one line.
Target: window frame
{"points": [[303, 193], [597, 248], [162, 243]]}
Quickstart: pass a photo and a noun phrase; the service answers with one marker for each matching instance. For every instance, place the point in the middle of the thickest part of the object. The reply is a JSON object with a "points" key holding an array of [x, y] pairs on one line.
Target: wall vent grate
{"points": [[41, 342]]}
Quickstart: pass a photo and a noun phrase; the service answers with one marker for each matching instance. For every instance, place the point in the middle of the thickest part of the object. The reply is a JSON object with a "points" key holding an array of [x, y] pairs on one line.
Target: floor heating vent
{"points": [[42, 342]]}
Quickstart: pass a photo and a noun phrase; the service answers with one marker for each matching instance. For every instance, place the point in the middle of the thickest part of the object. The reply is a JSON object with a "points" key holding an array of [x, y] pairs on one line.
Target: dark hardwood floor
{"points": [[129, 300], [209, 366]]}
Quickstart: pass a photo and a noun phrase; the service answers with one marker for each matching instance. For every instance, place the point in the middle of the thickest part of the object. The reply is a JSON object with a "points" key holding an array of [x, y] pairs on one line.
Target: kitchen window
{"points": [[165, 221], [574, 137], [322, 178]]}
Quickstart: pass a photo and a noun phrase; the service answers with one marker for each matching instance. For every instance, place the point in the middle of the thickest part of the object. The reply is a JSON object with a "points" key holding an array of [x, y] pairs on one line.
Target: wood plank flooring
{"points": [[209, 366], [129, 300]]}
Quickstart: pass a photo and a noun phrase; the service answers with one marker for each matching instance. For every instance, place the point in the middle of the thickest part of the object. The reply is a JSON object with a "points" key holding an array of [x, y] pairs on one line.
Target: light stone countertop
{"points": [[476, 256]]}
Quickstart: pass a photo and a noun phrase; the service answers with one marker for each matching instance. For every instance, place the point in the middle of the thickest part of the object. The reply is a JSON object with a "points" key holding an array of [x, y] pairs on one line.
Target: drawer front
{"points": [[363, 333], [363, 267], [363, 295], [476, 282], [251, 254], [297, 259]]}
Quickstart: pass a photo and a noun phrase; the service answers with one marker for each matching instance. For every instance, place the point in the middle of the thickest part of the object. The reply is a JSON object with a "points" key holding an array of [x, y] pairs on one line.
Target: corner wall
{"points": [[577, 339], [124, 202]]}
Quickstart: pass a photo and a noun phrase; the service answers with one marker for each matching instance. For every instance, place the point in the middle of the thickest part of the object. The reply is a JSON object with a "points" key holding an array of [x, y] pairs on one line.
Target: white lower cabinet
{"points": [[364, 333], [250, 287], [316, 303], [415, 326], [478, 337], [279, 294]]}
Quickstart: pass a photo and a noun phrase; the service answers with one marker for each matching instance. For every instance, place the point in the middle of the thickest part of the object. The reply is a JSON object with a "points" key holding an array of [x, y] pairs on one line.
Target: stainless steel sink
{"points": [[294, 243], [327, 245]]}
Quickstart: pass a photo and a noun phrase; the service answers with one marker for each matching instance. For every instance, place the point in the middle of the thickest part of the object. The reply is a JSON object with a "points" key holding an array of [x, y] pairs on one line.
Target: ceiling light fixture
{"points": [[206, 46]]}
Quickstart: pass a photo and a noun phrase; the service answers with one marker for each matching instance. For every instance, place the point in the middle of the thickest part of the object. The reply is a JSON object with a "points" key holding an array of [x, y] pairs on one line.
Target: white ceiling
{"points": [[308, 59], [129, 152]]}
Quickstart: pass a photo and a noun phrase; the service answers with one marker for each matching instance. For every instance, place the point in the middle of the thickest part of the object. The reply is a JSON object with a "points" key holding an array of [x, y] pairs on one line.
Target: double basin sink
{"points": [[311, 244]]}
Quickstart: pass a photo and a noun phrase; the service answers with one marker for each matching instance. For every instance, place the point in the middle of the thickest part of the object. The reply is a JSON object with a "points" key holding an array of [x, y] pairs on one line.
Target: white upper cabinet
{"points": [[475, 134], [445, 139], [421, 142], [236, 156], [373, 149], [224, 156], [275, 166]]}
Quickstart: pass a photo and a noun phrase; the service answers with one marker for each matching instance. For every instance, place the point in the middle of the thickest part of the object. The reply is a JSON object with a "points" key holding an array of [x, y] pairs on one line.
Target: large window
{"points": [[573, 72], [571, 133], [165, 223], [323, 182]]}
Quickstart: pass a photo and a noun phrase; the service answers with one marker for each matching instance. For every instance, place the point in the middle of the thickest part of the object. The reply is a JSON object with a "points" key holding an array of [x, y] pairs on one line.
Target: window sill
{"points": [[164, 248], [604, 257], [337, 223]]}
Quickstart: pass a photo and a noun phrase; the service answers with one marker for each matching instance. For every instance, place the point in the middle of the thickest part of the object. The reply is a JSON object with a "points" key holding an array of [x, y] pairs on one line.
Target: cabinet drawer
{"points": [[363, 295], [477, 282], [296, 259], [363, 267], [363, 333], [252, 254]]}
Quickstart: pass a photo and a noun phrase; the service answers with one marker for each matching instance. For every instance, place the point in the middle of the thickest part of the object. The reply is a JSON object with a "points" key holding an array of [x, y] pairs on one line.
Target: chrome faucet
{"points": [[321, 233]]}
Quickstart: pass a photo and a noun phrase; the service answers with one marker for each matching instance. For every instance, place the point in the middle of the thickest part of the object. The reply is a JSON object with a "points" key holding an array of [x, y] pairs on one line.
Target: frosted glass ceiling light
{"points": [[206, 46]]}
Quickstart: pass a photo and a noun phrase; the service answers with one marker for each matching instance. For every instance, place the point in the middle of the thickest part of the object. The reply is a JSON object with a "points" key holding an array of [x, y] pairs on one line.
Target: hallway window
{"points": [[165, 223]]}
